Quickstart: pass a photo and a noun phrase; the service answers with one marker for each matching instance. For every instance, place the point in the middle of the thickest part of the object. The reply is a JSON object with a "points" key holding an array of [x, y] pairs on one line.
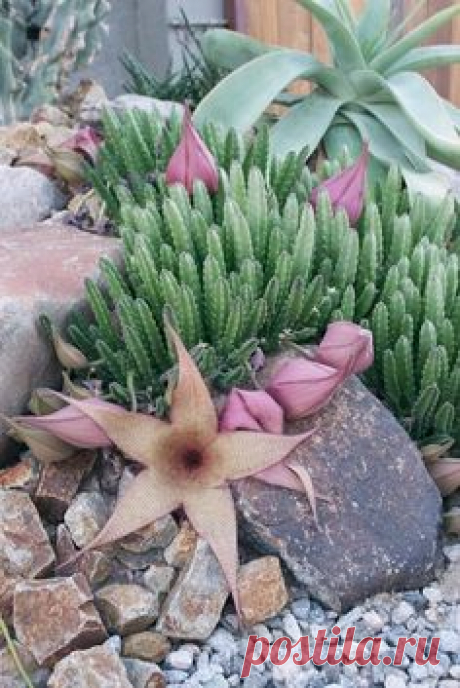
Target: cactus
{"points": [[41, 42]]}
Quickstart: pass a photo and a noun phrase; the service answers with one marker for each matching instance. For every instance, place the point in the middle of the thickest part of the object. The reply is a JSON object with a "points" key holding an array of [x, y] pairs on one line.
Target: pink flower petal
{"points": [[251, 410], [192, 160], [346, 347], [72, 426], [302, 386]]}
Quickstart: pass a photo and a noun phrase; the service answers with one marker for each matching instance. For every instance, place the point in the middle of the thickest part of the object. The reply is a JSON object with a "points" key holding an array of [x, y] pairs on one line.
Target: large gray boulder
{"points": [[380, 529]]}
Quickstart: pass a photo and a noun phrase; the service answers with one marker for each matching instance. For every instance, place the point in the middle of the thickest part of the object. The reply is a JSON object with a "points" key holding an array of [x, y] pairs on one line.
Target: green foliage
{"points": [[41, 42], [223, 268], [372, 91], [197, 76], [253, 266]]}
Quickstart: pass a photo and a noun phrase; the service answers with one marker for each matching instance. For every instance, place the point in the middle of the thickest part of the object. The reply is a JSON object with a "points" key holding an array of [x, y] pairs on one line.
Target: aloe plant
{"points": [[372, 91]]}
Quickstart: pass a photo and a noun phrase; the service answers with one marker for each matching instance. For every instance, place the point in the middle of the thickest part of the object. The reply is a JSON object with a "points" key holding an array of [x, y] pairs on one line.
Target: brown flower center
{"points": [[192, 459]]}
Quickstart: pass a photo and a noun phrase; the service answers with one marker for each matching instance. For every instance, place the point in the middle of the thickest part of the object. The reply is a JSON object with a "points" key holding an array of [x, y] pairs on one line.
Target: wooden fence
{"points": [[284, 22]]}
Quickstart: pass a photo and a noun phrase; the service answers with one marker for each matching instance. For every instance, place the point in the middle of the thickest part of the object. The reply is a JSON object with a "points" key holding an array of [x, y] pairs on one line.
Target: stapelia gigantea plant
{"points": [[253, 266], [223, 265], [190, 460], [41, 43], [371, 91], [314, 269], [138, 146]]}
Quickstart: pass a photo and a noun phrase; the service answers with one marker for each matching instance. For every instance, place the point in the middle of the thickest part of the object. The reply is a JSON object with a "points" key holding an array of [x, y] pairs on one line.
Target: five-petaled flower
{"points": [[187, 461]]}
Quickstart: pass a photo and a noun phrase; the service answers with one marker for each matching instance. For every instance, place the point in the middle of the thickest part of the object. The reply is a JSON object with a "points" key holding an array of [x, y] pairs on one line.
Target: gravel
{"points": [[430, 612]]}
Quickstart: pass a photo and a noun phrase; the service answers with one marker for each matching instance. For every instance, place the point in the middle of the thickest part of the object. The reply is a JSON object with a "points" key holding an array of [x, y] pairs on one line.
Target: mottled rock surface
{"points": [[159, 578], [148, 646], [93, 564], [56, 616], [59, 483], [27, 196], [193, 607], [25, 549], [42, 270], [127, 608], [94, 668], [85, 517], [182, 547], [23, 475], [262, 590], [158, 534], [380, 529], [144, 674]]}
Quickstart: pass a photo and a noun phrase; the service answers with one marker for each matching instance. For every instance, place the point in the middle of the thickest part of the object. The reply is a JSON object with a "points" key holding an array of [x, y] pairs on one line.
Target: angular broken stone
{"points": [[148, 646], [25, 549], [110, 470], [193, 608], [144, 674], [127, 608], [85, 517], [59, 483], [374, 536], [98, 667], [138, 562], [158, 534], [159, 578], [23, 475], [95, 565], [56, 616], [262, 590], [182, 547]]}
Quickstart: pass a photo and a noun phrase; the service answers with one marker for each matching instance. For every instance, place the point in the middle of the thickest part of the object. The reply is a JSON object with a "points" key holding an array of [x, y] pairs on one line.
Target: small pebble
{"points": [[180, 659], [402, 612]]}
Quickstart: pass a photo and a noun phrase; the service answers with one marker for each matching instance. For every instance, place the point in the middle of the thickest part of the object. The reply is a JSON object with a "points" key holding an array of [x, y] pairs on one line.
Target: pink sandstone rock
{"points": [[25, 549], [98, 667], [56, 616], [42, 270]]}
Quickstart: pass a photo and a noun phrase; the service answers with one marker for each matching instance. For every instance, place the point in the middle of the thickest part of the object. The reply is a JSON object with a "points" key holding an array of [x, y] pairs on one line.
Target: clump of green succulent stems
{"points": [[138, 146], [255, 266], [223, 267]]}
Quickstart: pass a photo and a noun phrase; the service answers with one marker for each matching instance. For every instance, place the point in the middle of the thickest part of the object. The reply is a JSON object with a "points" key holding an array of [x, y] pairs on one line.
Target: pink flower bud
{"points": [[346, 347], [251, 410], [72, 426], [192, 160], [346, 189], [302, 386]]}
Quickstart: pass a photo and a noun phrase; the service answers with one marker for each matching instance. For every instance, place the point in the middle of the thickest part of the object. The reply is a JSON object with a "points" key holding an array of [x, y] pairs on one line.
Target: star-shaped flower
{"points": [[188, 462]]}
